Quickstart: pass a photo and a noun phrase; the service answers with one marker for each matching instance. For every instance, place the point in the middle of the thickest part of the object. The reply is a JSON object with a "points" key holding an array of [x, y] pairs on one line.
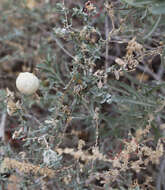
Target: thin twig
{"points": [[58, 42], [2, 126], [148, 71], [107, 42], [160, 178], [27, 168], [60, 45], [161, 71], [34, 118], [66, 18]]}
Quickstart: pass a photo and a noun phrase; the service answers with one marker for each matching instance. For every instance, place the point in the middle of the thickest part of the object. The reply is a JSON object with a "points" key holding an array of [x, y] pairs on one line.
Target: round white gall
{"points": [[27, 83]]}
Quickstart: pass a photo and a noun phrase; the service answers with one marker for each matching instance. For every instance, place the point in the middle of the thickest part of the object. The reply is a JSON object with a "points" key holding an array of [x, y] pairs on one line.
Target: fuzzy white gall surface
{"points": [[27, 83]]}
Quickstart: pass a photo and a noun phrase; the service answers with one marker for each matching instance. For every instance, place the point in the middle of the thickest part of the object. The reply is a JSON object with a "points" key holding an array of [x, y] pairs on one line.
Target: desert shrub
{"points": [[97, 120]]}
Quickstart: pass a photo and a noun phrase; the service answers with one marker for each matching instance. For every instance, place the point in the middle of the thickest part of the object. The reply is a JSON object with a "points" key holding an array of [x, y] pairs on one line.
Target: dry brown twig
{"points": [[26, 168]]}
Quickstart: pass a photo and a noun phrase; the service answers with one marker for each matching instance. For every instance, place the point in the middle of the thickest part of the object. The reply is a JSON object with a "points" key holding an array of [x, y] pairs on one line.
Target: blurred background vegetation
{"points": [[101, 71]]}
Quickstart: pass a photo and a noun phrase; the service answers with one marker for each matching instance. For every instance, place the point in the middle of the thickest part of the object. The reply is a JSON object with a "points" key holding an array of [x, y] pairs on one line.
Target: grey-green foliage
{"points": [[155, 6], [80, 90], [148, 11]]}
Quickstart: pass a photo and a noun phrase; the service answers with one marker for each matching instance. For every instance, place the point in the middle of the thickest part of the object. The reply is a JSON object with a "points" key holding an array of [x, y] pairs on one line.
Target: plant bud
{"points": [[27, 83]]}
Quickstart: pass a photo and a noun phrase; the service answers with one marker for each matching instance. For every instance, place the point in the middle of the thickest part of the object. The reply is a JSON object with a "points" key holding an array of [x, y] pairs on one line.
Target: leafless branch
{"points": [[161, 176], [2, 125], [107, 42], [148, 71]]}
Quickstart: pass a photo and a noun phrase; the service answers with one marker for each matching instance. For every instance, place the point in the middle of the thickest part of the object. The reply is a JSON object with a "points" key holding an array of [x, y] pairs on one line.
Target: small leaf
{"points": [[155, 25], [45, 68], [138, 3], [158, 8]]}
